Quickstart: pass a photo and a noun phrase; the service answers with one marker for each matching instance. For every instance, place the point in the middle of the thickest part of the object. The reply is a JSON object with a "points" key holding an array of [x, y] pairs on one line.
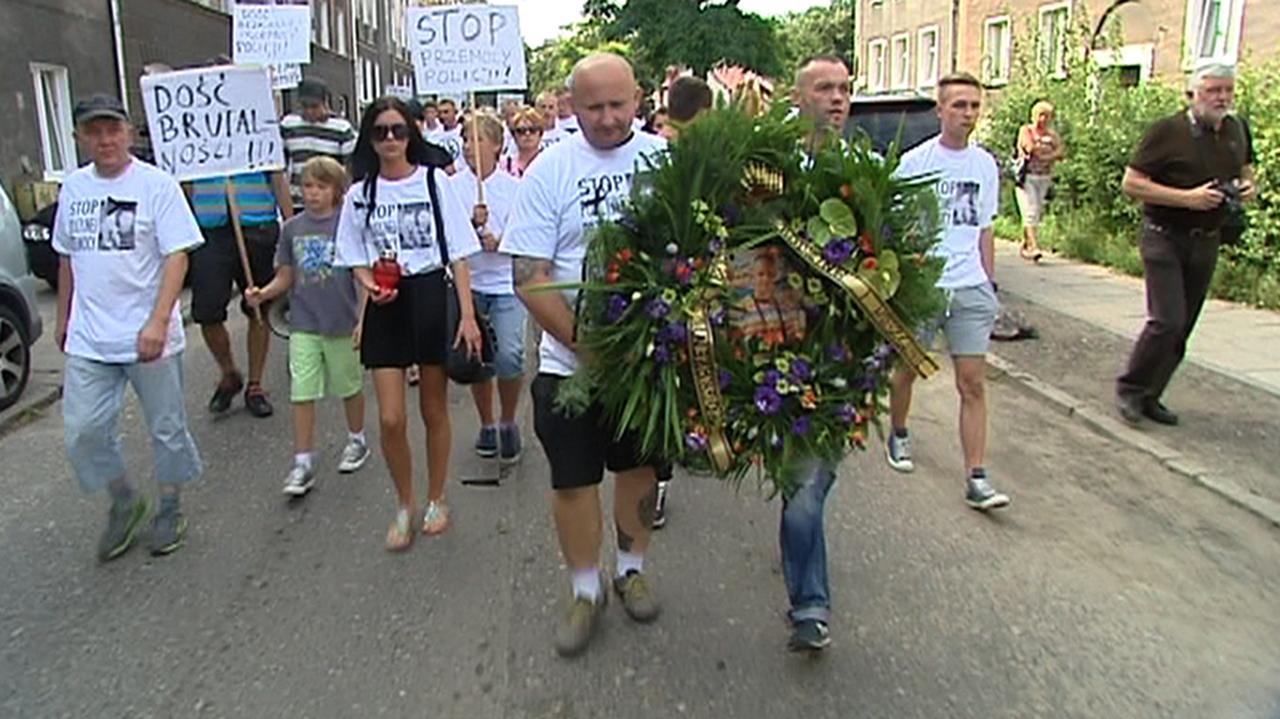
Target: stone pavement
{"points": [[1238, 341]]}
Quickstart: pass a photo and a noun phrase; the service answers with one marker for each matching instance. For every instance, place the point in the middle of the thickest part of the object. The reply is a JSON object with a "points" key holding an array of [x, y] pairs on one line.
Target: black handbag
{"points": [[461, 366]]}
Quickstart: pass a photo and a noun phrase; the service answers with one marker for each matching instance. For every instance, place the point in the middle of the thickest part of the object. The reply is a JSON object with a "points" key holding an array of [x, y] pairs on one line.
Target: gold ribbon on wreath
{"points": [[706, 381], [868, 299]]}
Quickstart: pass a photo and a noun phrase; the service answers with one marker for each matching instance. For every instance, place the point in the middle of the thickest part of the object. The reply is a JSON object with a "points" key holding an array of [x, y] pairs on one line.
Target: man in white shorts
{"points": [[968, 194]]}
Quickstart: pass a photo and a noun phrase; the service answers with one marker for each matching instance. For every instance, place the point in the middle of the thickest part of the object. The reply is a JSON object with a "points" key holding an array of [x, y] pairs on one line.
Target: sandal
{"points": [[1032, 255], [436, 519], [400, 533]]}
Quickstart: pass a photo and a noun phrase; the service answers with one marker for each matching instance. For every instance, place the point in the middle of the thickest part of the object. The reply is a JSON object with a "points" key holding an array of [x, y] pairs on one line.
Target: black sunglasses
{"points": [[527, 130], [399, 131]]}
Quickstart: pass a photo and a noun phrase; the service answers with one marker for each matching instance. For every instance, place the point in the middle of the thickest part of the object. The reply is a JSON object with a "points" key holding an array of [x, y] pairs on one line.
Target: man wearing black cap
{"points": [[123, 231], [313, 131]]}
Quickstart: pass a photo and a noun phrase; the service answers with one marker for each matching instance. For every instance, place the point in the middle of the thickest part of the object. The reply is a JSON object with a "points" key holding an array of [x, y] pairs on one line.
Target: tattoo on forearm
{"points": [[525, 269], [624, 540], [647, 509]]}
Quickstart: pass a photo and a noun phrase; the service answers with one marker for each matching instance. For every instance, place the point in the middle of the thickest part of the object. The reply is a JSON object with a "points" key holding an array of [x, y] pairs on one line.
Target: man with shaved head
{"points": [[822, 94], [574, 185]]}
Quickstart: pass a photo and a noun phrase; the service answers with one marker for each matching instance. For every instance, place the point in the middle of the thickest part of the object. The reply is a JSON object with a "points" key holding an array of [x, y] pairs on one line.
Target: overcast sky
{"points": [[542, 19]]}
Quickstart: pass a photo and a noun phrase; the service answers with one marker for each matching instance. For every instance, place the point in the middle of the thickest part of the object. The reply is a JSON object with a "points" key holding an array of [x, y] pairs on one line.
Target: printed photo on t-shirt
{"points": [[416, 225], [960, 202], [313, 258], [117, 225]]}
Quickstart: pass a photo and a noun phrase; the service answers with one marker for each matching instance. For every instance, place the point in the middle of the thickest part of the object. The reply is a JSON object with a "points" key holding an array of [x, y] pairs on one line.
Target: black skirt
{"points": [[409, 331]]}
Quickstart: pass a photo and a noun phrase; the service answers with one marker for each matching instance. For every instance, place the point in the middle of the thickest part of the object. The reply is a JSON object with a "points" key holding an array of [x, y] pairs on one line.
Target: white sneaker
{"points": [[354, 455], [299, 481], [898, 451]]}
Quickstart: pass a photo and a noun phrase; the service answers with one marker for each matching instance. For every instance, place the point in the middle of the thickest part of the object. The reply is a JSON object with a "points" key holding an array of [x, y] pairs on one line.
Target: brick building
{"points": [[904, 45]]}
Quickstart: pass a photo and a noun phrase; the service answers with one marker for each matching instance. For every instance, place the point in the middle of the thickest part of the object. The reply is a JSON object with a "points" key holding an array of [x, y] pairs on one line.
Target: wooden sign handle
{"points": [[234, 206]]}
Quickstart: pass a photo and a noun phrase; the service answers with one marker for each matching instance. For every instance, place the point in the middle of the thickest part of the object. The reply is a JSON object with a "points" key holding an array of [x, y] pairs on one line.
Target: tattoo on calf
{"points": [[524, 269], [624, 540], [648, 506]]}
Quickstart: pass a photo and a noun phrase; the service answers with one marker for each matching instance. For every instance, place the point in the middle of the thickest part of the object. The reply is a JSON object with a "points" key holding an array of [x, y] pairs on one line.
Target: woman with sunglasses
{"points": [[527, 126], [396, 174]]}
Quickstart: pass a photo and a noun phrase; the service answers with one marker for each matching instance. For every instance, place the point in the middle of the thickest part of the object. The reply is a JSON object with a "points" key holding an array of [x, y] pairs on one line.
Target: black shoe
{"points": [[226, 391], [1130, 409], [809, 635], [1158, 413], [255, 400], [660, 510]]}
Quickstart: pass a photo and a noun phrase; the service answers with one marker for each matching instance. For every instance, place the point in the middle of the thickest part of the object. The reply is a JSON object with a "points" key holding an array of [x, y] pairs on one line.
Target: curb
{"points": [[1110, 427]]}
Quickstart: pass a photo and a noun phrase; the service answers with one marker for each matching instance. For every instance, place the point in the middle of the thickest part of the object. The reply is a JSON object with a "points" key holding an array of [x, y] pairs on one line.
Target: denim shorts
{"points": [[92, 397], [967, 322], [507, 317]]}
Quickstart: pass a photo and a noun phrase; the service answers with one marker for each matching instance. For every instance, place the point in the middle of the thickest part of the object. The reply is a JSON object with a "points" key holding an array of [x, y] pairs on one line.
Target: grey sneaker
{"points": [[122, 527], [980, 495], [579, 623], [299, 481], [168, 529], [637, 597], [511, 447], [809, 635], [487, 442], [354, 455], [898, 452]]}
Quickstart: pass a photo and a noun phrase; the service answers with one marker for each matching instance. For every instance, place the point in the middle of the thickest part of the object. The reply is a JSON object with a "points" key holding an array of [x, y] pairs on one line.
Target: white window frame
{"points": [[878, 81], [340, 32], [64, 125], [902, 61], [988, 76], [1044, 12], [927, 75], [322, 25], [1230, 27], [1141, 55]]}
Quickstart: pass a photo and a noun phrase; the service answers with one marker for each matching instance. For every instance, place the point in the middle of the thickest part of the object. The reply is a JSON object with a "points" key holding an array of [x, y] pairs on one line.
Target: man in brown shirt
{"points": [[1191, 172]]}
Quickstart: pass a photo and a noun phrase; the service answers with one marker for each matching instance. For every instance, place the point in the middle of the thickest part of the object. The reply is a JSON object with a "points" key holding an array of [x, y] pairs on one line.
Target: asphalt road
{"points": [[1110, 588]]}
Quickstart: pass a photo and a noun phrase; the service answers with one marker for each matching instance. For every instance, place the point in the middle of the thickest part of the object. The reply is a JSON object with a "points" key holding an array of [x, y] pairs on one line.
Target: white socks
{"points": [[586, 583], [356, 437], [629, 562], [302, 459]]}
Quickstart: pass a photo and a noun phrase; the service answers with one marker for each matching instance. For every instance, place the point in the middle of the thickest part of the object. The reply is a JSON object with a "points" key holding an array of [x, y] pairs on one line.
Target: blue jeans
{"points": [[92, 397], [506, 315], [804, 543]]}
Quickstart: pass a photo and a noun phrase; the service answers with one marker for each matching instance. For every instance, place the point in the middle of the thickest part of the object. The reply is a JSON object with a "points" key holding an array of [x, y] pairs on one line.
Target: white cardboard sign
{"points": [[213, 121], [285, 76], [466, 48], [270, 34]]}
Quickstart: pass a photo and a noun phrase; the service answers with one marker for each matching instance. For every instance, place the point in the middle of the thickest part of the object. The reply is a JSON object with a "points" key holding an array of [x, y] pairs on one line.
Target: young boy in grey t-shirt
{"points": [[324, 306]]}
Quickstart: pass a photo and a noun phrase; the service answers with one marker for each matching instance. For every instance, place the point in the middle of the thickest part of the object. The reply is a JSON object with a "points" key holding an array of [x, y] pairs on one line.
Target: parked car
{"points": [[20, 324], [883, 117], [37, 235]]}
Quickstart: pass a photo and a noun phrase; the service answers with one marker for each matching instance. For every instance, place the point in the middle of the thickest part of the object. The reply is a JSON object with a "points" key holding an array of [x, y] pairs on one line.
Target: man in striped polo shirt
{"points": [[314, 131]]}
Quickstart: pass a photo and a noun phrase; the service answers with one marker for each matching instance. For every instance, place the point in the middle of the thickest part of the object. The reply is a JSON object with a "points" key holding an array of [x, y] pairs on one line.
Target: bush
{"points": [[1101, 122]]}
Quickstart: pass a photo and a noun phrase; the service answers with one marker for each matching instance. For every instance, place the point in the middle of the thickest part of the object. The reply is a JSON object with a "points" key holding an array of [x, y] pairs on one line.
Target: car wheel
{"points": [[15, 358]]}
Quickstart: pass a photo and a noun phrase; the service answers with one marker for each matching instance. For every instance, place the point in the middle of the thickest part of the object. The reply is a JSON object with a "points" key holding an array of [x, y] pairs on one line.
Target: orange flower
{"points": [[846, 191], [611, 277], [870, 264], [864, 242], [624, 255]]}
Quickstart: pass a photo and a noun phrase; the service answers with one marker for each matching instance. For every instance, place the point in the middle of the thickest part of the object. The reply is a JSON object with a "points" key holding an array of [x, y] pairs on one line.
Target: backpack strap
{"points": [[434, 194]]}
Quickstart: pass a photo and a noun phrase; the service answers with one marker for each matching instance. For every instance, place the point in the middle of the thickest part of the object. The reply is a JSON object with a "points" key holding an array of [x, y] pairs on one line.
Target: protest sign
{"points": [[404, 92], [213, 121], [285, 76], [466, 48], [506, 97], [269, 34]]}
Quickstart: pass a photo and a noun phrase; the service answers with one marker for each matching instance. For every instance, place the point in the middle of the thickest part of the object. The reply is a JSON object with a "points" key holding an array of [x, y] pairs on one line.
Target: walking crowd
{"points": [[372, 235]]}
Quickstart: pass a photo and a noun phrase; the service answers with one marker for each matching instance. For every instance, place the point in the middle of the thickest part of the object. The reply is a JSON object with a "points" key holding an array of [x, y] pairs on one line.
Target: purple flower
{"points": [[847, 413], [800, 426], [838, 353], [771, 377], [726, 379], [662, 354], [657, 308], [695, 442], [768, 401], [837, 250], [618, 305], [800, 370], [869, 382], [719, 317], [674, 333], [730, 214]]}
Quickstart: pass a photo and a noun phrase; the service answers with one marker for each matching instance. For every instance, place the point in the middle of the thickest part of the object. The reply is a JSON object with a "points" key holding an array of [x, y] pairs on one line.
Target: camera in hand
{"points": [[1232, 200]]}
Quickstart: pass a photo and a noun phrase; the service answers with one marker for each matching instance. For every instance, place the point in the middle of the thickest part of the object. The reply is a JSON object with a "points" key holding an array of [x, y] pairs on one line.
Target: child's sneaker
{"points": [[354, 455], [299, 481]]}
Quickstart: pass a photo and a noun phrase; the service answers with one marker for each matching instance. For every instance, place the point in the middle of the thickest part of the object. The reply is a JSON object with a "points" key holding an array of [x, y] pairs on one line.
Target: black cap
{"points": [[98, 106], [312, 89]]}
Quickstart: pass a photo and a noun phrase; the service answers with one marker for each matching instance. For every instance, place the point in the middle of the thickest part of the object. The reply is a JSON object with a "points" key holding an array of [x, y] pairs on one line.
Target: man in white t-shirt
{"points": [[968, 193], [551, 130], [449, 134], [564, 195], [565, 119], [123, 232]]}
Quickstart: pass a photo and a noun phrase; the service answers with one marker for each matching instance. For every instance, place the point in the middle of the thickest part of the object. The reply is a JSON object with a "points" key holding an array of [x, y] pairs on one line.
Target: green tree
{"points": [[817, 31], [551, 62]]}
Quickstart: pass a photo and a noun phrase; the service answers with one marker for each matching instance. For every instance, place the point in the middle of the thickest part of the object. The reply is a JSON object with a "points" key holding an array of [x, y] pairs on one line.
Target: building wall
{"points": [[71, 33], [884, 20]]}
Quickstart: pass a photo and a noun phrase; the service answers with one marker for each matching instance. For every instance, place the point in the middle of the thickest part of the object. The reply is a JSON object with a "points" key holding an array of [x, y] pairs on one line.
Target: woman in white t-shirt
{"points": [[527, 128], [491, 285], [397, 173]]}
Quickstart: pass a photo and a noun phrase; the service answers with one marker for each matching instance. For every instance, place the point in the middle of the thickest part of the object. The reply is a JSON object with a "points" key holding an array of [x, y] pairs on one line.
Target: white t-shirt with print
{"points": [[118, 232], [968, 196], [490, 271], [562, 197], [402, 221], [450, 140], [568, 125]]}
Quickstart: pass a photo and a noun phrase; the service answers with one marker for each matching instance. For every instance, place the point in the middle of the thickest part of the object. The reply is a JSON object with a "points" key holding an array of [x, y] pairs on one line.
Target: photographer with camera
{"points": [[1192, 171]]}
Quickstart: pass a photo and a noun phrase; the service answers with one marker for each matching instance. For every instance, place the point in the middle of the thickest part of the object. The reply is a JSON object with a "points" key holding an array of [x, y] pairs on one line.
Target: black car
{"points": [[883, 117], [37, 235]]}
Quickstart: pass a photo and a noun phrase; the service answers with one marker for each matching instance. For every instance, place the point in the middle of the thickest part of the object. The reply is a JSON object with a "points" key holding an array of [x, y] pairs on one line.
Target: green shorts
{"points": [[321, 365]]}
